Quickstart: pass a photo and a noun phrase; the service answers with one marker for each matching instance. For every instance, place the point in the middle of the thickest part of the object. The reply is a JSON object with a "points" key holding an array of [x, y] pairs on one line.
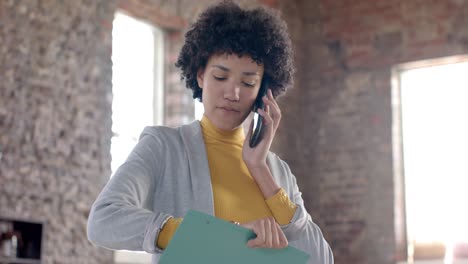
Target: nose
{"points": [[231, 92]]}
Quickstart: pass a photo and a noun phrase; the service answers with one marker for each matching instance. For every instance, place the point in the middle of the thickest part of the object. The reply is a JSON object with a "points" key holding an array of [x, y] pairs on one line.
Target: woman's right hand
{"points": [[269, 234]]}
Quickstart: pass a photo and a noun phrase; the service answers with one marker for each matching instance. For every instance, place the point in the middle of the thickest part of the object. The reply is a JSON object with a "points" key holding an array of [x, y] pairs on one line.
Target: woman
{"points": [[208, 165]]}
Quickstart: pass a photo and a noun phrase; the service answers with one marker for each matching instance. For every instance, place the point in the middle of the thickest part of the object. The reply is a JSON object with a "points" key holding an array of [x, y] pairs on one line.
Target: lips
{"points": [[229, 109]]}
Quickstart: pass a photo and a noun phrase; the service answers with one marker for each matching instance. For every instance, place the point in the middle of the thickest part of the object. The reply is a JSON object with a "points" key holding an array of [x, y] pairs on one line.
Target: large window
{"points": [[137, 83], [434, 137], [137, 87]]}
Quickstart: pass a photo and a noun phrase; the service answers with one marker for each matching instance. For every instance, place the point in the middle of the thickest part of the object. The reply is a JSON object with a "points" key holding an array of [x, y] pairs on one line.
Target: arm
{"points": [[121, 217], [283, 176], [276, 198], [302, 232], [301, 228], [288, 209]]}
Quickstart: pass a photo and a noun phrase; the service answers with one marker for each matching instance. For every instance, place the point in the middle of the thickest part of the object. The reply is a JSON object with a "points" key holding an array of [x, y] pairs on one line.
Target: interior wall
{"points": [[55, 94], [337, 125], [55, 109]]}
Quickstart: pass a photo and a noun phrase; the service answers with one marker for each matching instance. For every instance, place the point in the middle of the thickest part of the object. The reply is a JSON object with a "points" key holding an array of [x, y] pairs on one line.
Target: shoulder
{"points": [[159, 132], [168, 133]]}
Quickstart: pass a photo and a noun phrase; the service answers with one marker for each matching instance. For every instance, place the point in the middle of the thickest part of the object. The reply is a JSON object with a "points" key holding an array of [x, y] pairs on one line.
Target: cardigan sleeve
{"points": [[302, 232], [121, 217], [167, 232], [282, 207]]}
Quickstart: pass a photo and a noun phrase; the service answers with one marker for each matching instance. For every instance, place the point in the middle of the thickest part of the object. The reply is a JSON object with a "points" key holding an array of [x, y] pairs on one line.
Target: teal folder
{"points": [[203, 238]]}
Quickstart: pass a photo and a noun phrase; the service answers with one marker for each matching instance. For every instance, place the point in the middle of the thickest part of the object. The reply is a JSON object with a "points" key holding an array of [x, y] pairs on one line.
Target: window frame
{"points": [[141, 257], [405, 251]]}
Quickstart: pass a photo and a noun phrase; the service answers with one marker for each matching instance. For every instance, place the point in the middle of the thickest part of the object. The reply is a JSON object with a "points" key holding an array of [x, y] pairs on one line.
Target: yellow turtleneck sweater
{"points": [[236, 195]]}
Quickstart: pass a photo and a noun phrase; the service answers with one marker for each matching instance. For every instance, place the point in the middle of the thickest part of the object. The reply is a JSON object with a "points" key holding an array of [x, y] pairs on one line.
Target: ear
{"points": [[200, 76]]}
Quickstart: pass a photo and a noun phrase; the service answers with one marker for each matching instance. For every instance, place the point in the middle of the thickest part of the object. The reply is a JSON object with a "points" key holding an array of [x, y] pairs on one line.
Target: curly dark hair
{"points": [[225, 28]]}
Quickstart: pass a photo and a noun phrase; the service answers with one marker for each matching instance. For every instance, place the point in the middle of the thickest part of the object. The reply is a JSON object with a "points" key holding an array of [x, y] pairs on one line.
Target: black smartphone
{"points": [[256, 136]]}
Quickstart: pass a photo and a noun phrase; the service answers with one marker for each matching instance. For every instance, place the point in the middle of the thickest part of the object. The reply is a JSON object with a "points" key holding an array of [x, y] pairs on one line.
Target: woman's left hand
{"points": [[256, 157], [269, 234]]}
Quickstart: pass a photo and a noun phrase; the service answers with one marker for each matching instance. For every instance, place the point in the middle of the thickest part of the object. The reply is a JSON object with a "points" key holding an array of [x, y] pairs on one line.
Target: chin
{"points": [[226, 125]]}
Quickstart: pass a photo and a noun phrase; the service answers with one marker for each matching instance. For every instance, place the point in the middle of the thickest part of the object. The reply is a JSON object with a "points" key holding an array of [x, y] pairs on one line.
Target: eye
{"points": [[249, 85], [220, 78]]}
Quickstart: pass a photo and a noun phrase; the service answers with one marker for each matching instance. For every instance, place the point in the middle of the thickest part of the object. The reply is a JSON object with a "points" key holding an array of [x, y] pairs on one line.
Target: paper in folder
{"points": [[203, 238]]}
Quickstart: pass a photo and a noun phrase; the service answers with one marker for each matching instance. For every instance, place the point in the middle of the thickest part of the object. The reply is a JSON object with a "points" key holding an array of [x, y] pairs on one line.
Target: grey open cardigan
{"points": [[165, 175]]}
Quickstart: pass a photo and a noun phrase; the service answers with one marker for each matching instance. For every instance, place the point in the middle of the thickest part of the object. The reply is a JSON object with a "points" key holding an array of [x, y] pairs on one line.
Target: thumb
{"points": [[249, 132], [252, 243]]}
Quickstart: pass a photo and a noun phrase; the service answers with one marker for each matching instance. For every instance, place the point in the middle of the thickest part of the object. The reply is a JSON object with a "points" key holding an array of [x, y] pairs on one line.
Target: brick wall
{"points": [[336, 132]]}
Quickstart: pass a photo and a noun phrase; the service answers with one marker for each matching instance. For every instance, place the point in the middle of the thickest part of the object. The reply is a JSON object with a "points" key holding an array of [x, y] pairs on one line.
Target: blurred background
{"points": [[375, 128]]}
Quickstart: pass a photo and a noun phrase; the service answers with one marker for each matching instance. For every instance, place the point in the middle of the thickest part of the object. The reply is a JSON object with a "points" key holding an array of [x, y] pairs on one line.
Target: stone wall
{"points": [[55, 95]]}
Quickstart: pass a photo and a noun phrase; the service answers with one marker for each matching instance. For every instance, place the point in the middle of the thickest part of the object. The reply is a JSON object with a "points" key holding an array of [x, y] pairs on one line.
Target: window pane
{"points": [[435, 140], [132, 84]]}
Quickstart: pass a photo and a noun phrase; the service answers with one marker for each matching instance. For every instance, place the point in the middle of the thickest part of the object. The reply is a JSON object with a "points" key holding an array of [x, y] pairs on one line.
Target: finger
{"points": [[259, 230], [268, 234], [282, 238], [267, 120], [273, 100], [270, 96], [249, 132], [257, 242], [262, 233], [268, 110], [275, 237], [275, 110], [252, 243]]}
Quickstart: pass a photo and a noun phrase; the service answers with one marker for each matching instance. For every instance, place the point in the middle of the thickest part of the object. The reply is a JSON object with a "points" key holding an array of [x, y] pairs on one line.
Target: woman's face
{"points": [[230, 85]]}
